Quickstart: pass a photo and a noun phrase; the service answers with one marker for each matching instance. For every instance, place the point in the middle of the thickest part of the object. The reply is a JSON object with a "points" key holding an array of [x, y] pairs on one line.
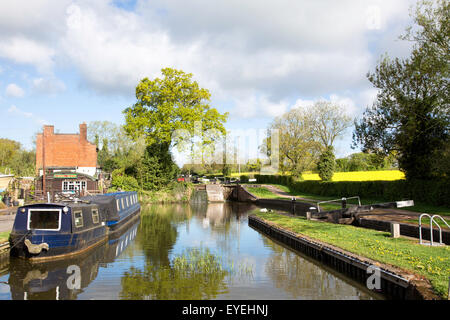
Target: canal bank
{"points": [[375, 219], [366, 248]]}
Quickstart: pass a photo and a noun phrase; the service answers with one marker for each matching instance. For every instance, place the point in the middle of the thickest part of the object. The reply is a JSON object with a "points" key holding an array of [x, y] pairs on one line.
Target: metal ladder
{"points": [[431, 228]]}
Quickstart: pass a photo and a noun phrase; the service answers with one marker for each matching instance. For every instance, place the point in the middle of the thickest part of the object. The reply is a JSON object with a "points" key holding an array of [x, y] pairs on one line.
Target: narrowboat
{"points": [[65, 279], [46, 231]]}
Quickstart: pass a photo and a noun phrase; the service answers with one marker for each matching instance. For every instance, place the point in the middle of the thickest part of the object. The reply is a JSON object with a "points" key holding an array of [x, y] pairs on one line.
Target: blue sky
{"points": [[64, 62]]}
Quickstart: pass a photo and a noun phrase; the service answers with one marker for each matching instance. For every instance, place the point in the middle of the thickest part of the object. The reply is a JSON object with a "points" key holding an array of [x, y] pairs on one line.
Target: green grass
{"points": [[4, 236], [426, 222], [430, 262], [264, 193], [418, 207]]}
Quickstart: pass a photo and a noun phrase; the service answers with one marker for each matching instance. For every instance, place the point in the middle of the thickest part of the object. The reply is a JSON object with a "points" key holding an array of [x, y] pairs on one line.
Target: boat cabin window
{"points": [[121, 200], [44, 219], [78, 218], [95, 218], [118, 206], [126, 199]]}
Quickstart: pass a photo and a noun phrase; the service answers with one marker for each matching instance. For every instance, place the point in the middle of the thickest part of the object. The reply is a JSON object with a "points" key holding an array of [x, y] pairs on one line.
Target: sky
{"points": [[65, 62]]}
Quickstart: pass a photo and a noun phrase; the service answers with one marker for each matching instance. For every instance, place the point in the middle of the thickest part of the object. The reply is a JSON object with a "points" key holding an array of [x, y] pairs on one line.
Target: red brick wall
{"points": [[65, 150]]}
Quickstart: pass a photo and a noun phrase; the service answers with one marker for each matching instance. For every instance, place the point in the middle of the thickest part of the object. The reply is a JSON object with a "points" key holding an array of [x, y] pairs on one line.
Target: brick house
{"points": [[70, 161]]}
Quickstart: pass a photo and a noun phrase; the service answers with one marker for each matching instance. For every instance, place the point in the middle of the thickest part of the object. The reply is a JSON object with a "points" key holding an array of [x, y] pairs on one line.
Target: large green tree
{"points": [[304, 134], [299, 148], [16, 160], [170, 104], [411, 115], [328, 122]]}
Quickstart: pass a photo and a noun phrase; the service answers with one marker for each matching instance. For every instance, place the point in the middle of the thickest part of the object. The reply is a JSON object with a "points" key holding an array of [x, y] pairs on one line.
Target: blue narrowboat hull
{"points": [[49, 280], [51, 231]]}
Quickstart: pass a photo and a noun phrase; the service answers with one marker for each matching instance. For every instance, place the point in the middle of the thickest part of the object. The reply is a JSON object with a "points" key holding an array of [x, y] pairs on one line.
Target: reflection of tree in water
{"points": [[158, 234], [195, 274], [303, 279], [187, 276]]}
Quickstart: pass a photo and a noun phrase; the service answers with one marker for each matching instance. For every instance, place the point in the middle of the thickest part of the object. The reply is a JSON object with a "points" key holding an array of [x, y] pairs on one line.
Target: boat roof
{"points": [[61, 204]]}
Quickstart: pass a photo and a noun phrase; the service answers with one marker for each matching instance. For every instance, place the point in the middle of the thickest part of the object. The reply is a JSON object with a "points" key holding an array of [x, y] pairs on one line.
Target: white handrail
{"points": [[431, 227], [440, 230], [420, 228]]}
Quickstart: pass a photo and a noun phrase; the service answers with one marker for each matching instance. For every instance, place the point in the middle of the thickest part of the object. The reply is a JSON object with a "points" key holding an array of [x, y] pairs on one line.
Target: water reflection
{"points": [[65, 279], [303, 279], [197, 277], [183, 251]]}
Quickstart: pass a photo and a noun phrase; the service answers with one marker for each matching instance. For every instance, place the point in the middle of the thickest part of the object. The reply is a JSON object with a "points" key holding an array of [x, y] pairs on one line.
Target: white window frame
{"points": [[97, 215], [74, 219], [59, 219], [73, 185]]}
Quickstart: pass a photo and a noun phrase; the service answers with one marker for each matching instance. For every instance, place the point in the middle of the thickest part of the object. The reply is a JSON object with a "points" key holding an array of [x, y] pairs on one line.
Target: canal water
{"points": [[182, 251]]}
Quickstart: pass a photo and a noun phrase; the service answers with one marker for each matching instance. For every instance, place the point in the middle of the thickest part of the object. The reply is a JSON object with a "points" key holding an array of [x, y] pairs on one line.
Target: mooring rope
{"points": [[27, 233]]}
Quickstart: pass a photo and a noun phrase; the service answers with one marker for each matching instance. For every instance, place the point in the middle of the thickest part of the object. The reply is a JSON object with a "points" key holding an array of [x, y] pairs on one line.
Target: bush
{"points": [[244, 178], [123, 182], [326, 165]]}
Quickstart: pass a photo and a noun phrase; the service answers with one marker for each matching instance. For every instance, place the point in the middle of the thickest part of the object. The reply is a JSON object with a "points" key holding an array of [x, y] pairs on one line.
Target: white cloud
{"points": [[280, 48], [251, 105], [25, 51], [14, 110], [272, 51], [48, 85], [13, 90]]}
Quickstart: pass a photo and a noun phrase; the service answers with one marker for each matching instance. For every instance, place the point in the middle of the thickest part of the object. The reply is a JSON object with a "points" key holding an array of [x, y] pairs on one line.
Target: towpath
{"points": [[7, 217]]}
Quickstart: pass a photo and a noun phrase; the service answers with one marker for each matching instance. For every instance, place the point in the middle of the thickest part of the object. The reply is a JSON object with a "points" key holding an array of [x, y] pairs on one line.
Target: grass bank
{"points": [[4, 236], [179, 192], [431, 262], [264, 193]]}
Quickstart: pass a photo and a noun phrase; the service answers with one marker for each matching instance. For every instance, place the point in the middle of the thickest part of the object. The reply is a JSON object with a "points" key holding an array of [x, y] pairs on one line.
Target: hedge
{"points": [[421, 191]]}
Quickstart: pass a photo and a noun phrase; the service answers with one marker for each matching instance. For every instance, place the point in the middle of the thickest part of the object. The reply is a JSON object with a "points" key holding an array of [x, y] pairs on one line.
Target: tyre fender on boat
{"points": [[35, 248]]}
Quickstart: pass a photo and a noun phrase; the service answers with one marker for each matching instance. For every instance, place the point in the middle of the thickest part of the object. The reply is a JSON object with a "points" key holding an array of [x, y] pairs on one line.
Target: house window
{"points": [[73, 185], [95, 217], [78, 218]]}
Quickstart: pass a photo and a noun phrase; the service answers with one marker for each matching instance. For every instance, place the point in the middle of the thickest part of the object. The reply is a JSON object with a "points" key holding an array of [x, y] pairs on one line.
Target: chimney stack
{"points": [[83, 132], [48, 130]]}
